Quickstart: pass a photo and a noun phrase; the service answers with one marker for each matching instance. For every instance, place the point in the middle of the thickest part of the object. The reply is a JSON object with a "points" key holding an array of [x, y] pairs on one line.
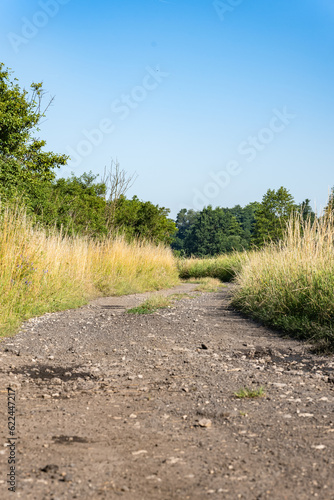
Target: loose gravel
{"points": [[115, 405]]}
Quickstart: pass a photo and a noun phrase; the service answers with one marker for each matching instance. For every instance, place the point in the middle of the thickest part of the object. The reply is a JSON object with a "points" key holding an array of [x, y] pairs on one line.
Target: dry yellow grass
{"points": [[42, 272], [291, 285]]}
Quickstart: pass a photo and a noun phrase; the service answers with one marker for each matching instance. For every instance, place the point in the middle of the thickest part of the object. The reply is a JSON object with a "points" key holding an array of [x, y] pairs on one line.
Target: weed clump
{"points": [[247, 393]]}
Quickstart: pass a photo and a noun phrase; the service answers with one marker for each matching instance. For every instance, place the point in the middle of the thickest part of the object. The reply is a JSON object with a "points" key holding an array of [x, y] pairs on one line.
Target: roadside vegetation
{"points": [[286, 284], [290, 285], [43, 271], [65, 241], [222, 267]]}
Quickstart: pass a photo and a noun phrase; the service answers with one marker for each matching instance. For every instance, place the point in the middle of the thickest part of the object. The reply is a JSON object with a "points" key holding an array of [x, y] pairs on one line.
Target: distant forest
{"points": [[213, 231]]}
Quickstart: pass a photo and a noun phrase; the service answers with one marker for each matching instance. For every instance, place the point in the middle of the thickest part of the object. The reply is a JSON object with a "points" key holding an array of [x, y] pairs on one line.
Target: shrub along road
{"points": [[140, 407]]}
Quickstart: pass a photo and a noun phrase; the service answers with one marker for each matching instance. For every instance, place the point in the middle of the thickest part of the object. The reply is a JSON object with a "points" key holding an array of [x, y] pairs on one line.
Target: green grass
{"points": [[158, 302], [247, 393], [290, 286], [223, 267], [151, 305]]}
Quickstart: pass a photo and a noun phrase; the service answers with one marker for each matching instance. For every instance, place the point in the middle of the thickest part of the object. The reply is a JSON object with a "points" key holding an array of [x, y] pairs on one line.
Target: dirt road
{"points": [[112, 405]]}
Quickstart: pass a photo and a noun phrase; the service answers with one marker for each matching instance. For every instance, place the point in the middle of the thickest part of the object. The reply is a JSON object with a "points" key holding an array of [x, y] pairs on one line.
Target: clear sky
{"points": [[209, 102]]}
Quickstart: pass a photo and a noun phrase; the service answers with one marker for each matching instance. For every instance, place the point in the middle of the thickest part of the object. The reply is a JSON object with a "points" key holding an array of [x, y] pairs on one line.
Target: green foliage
{"points": [[151, 305], [290, 285], [76, 204], [329, 209], [24, 164], [184, 221], [222, 267], [213, 231], [272, 215], [139, 219], [306, 211], [244, 392], [246, 218]]}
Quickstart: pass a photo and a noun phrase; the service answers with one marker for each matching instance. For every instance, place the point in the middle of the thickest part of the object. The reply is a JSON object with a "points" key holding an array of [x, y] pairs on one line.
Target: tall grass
{"points": [[291, 285], [223, 267], [42, 272]]}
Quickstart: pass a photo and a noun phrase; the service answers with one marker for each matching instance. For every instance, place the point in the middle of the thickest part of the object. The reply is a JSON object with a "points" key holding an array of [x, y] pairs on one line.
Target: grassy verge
{"points": [[223, 267], [290, 286], [42, 272]]}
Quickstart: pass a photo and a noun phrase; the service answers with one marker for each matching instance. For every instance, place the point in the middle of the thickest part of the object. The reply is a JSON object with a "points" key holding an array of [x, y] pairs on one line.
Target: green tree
{"points": [[24, 164], [246, 218], [272, 216], [139, 219], [76, 204], [306, 211], [213, 232], [329, 209], [184, 221]]}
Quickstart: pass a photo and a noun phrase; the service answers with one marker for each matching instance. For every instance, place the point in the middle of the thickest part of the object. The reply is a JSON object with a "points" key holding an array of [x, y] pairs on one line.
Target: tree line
{"points": [[213, 231], [85, 205]]}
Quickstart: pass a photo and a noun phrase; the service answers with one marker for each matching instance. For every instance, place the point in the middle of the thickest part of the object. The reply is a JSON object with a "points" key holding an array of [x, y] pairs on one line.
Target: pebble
{"points": [[173, 460], [205, 422], [56, 380]]}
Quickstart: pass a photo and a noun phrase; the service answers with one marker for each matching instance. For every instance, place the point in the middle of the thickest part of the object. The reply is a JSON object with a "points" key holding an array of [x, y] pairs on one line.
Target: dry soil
{"points": [[115, 405]]}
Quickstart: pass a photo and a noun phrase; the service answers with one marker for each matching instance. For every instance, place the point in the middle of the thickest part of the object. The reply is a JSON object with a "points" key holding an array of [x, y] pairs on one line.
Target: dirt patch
{"points": [[143, 407]]}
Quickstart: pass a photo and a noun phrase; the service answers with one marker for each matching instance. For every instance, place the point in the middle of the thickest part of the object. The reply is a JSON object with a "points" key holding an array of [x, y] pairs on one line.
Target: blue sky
{"points": [[209, 102]]}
